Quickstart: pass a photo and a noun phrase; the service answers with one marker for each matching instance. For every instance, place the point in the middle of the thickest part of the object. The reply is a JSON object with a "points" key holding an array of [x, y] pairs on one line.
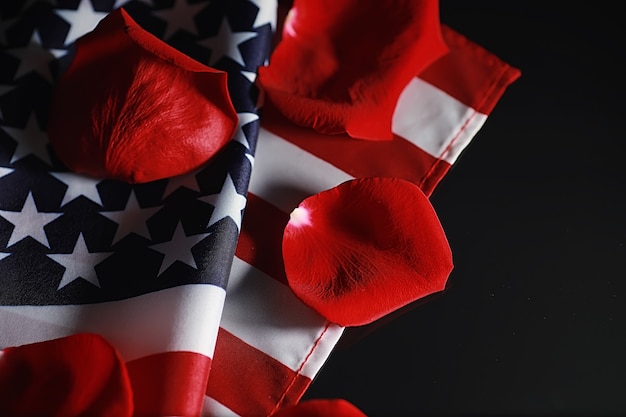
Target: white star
{"points": [[228, 203], [120, 3], [5, 171], [179, 248], [226, 43], [30, 140], [79, 264], [29, 222], [188, 181], [266, 14], [36, 39], [131, 220], [78, 185], [244, 119], [82, 21], [35, 57], [250, 75], [180, 16], [3, 255]]}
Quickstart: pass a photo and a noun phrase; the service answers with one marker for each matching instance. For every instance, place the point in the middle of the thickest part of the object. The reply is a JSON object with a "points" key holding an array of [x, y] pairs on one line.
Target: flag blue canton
{"points": [[70, 239]]}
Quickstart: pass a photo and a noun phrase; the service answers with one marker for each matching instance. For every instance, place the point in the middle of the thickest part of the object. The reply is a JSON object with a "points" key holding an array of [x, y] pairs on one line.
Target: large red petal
{"points": [[131, 107], [365, 248], [79, 375], [321, 408], [341, 65]]}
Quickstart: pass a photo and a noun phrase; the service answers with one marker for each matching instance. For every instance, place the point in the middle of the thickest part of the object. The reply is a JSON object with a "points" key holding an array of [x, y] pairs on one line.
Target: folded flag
{"points": [[171, 272], [270, 347], [143, 265]]}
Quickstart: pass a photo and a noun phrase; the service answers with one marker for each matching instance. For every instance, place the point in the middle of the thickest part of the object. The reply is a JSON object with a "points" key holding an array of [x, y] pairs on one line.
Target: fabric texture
{"points": [[437, 117], [143, 265], [191, 291]]}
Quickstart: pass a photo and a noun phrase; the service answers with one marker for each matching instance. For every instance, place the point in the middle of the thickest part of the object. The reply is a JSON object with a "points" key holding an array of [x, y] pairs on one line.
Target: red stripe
{"points": [[470, 73], [436, 174], [169, 384], [397, 158], [260, 241], [261, 237], [248, 381]]}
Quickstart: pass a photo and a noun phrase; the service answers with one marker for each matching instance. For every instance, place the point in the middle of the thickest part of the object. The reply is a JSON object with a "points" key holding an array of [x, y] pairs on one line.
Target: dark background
{"points": [[534, 319]]}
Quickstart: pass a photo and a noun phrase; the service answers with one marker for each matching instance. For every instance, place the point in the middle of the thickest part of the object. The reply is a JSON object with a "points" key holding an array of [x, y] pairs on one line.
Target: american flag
{"points": [[172, 273]]}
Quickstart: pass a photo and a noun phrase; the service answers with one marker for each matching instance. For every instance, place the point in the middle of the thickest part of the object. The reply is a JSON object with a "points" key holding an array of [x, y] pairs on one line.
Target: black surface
{"points": [[534, 320]]}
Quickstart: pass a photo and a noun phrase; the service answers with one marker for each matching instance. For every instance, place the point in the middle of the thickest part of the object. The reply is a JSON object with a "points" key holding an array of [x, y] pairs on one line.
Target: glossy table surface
{"points": [[534, 319]]}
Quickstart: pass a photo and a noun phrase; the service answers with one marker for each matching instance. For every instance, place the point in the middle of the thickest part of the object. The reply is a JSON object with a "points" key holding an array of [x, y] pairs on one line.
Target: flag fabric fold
{"points": [[190, 290], [143, 265], [285, 343]]}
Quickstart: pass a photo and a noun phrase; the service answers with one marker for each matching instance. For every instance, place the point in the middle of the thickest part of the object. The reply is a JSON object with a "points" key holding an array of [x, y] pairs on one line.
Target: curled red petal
{"points": [[321, 408], [78, 375], [341, 66], [132, 108], [365, 248]]}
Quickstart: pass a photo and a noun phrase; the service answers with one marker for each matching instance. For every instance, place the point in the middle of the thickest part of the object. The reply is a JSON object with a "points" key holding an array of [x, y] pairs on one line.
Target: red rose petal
{"points": [[131, 107], [321, 408], [342, 65], [79, 375], [365, 248]]}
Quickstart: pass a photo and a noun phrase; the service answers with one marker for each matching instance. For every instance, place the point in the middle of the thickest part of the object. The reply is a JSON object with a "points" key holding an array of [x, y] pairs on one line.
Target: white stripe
{"points": [[184, 318], [430, 118], [325, 345], [213, 408], [471, 128], [265, 314], [285, 174]]}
